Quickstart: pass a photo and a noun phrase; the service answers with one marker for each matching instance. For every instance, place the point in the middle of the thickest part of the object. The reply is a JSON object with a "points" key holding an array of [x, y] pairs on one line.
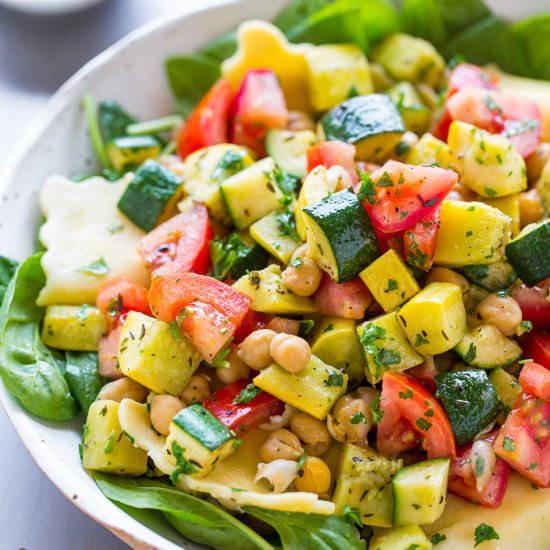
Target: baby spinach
{"points": [[82, 375], [29, 370], [113, 119], [7, 270]]}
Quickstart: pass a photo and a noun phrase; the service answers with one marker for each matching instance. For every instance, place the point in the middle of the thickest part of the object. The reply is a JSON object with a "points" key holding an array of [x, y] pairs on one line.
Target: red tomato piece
{"points": [[390, 240], [536, 346], [412, 416], [534, 304], [419, 241], [242, 417], [406, 194], [535, 379], [180, 243], [425, 374], [349, 300], [332, 153], [253, 321], [208, 123]]}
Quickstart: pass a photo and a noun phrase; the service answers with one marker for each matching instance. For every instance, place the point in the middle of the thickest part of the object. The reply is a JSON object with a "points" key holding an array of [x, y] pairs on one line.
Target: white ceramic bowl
{"points": [[131, 71]]}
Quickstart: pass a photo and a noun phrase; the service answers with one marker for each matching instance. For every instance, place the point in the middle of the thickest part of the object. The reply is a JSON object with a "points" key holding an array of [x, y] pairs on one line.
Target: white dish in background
{"points": [[131, 71], [49, 7]]}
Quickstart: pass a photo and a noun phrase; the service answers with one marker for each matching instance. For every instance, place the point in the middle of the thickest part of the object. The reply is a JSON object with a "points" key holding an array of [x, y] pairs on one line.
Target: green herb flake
{"points": [[175, 330], [392, 285], [97, 268], [526, 326], [469, 233], [246, 395], [306, 326], [287, 223], [377, 412], [109, 444], [301, 461], [335, 379], [230, 163], [183, 465], [490, 192], [484, 532], [423, 424], [533, 466], [437, 538], [479, 466], [367, 191], [352, 515], [420, 339], [297, 262], [328, 328], [406, 394], [358, 418], [508, 444], [471, 353]]}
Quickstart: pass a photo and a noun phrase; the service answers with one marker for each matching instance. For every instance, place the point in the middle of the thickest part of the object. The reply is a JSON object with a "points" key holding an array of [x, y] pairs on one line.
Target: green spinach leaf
{"points": [[532, 40], [220, 48], [82, 375], [7, 270], [113, 120]]}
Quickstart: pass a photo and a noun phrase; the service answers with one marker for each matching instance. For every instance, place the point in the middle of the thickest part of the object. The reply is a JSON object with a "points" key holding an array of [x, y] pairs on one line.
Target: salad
{"points": [[311, 308]]}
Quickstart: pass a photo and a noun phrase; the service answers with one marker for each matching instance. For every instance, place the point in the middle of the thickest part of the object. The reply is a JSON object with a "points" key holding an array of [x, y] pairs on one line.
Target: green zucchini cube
{"points": [[127, 152], [401, 538], [415, 114]]}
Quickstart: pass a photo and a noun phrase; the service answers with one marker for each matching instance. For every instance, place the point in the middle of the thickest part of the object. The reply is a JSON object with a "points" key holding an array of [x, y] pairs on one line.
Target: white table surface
{"points": [[36, 55]]}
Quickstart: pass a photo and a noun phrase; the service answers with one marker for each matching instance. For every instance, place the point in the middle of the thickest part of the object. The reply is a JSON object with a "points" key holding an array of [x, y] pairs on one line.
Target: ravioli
{"points": [[83, 227]]}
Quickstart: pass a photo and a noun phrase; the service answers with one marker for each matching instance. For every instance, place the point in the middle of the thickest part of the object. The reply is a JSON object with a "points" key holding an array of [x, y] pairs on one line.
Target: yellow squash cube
{"points": [[313, 390], [156, 355], [389, 280], [434, 321], [267, 233], [509, 206], [431, 151]]}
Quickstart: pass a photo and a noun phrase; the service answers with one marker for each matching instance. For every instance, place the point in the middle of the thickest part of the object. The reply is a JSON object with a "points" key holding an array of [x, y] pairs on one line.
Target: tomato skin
{"points": [[405, 402], [180, 243], [419, 241], [534, 305], [536, 346], [535, 379], [333, 153], [242, 417], [252, 321], [349, 300], [208, 123]]}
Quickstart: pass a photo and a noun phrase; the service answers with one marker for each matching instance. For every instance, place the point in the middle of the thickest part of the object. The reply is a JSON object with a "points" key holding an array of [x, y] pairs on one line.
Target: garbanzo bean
{"points": [[536, 162], [501, 311], [338, 178], [530, 207], [446, 275], [302, 276], [281, 443], [351, 419], [163, 409], [300, 120], [117, 390], [313, 476], [197, 389], [237, 369], [290, 352], [254, 349], [287, 326], [313, 433]]}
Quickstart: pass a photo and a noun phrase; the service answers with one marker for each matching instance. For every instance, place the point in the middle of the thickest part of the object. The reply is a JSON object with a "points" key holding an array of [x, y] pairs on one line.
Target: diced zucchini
{"points": [[529, 253], [420, 492], [470, 233], [370, 122], [128, 152], [288, 149], [267, 233], [156, 355], [506, 386], [431, 151], [105, 447], [152, 195], [77, 328], [408, 58], [475, 295], [340, 235], [491, 277], [313, 390], [470, 401], [389, 280], [487, 163], [334, 72], [198, 441], [485, 347], [269, 295], [252, 193], [363, 481], [415, 114], [509, 206], [335, 342], [205, 170], [410, 537], [386, 347]]}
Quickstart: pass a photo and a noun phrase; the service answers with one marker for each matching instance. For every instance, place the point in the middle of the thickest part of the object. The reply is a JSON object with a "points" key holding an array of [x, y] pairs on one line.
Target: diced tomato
{"points": [[535, 379], [208, 123], [253, 321], [389, 240], [534, 304], [243, 416], [419, 241], [406, 194], [259, 105], [181, 243], [412, 416], [332, 153], [536, 346], [107, 353], [349, 300], [425, 374]]}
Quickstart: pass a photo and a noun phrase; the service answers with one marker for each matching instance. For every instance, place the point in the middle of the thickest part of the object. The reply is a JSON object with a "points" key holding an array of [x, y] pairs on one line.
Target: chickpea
{"points": [[501, 311], [290, 352], [351, 419], [300, 120], [197, 389], [281, 443], [163, 409], [446, 275], [286, 326], [313, 476], [338, 178], [530, 207], [123, 388], [536, 162], [302, 276], [237, 370], [313, 433], [254, 349]]}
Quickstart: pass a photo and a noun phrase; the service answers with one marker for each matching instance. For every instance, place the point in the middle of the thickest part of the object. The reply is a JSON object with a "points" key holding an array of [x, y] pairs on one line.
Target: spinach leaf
{"points": [[300, 531], [29, 370], [7, 270], [532, 40], [190, 77], [193, 517], [82, 375], [113, 120], [297, 11], [220, 48]]}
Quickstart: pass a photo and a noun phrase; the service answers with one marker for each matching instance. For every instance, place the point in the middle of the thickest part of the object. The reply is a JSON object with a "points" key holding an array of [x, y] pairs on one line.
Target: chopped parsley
{"points": [[508, 444], [423, 424], [490, 192], [334, 379], [297, 262], [470, 355], [392, 285], [306, 326], [328, 328], [109, 445], [246, 395], [358, 418], [230, 163], [175, 330], [408, 394], [352, 515], [98, 268], [225, 255], [374, 407], [384, 181], [484, 532], [533, 466], [183, 465], [420, 339], [437, 538], [219, 361], [526, 326], [287, 223], [479, 466], [302, 461], [367, 191]]}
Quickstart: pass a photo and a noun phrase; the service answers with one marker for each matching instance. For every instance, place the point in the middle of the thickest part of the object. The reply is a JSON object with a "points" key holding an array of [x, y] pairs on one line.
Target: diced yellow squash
{"points": [[105, 446], [267, 233], [401, 538], [429, 150], [471, 233], [487, 163], [509, 206], [386, 347], [269, 295], [127, 152], [543, 187], [408, 58], [155, 355], [77, 328], [335, 343], [313, 390], [261, 44], [389, 280], [415, 114], [335, 70], [381, 80], [434, 321]]}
